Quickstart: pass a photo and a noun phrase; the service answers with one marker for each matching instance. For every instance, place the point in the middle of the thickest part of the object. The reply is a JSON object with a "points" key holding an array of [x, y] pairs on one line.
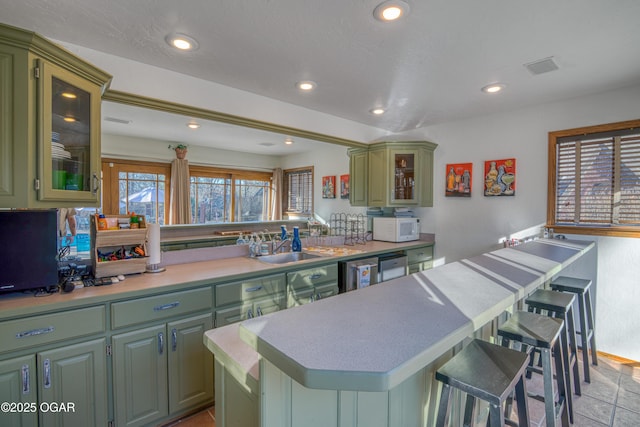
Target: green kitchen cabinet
{"points": [[244, 299], [50, 124], [18, 386], [65, 386], [401, 174], [311, 284], [358, 176], [419, 259], [161, 371]]}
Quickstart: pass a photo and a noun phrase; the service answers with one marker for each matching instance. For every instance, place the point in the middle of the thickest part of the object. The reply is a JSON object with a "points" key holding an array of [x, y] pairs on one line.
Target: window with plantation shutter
{"points": [[595, 180], [298, 185]]}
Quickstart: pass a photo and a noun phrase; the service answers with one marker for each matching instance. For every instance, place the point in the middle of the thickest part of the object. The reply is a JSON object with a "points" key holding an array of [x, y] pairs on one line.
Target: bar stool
{"points": [[543, 333], [489, 372], [560, 305], [582, 289]]}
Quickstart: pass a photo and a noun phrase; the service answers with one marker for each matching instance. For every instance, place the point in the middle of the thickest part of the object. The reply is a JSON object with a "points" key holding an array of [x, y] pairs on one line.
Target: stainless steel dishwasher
{"points": [[349, 273], [392, 267]]}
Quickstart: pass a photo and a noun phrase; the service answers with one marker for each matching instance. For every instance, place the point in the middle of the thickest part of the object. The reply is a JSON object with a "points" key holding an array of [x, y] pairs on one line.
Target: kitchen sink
{"points": [[286, 257]]}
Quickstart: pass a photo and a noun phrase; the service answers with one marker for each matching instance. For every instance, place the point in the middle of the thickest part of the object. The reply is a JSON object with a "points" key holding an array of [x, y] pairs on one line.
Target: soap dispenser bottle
{"points": [[296, 244], [283, 233]]}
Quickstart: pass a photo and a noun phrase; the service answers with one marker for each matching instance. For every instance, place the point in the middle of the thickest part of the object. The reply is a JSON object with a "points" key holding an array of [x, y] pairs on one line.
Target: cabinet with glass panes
{"points": [[50, 124]]}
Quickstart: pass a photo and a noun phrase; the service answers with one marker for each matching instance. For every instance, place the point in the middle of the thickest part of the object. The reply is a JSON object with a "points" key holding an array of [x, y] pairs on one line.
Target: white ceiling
{"points": [[425, 69]]}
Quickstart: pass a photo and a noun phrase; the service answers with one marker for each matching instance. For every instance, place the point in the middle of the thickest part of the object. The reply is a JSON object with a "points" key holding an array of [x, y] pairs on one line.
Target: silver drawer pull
{"points": [[160, 343], [25, 379], [34, 332], [315, 276], [47, 373], [166, 306], [258, 311], [249, 314], [174, 339], [254, 289]]}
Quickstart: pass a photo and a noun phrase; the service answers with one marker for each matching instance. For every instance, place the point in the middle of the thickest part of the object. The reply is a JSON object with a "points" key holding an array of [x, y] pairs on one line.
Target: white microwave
{"points": [[396, 229]]}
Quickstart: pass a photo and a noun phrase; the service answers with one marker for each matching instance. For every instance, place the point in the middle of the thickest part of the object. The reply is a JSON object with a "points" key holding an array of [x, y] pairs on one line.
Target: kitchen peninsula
{"points": [[367, 358]]}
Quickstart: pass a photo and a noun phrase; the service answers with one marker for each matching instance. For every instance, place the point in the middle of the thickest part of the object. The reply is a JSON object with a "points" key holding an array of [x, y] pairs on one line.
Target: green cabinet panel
{"points": [[238, 405], [160, 307], [140, 376], [313, 276], [50, 124], [246, 290], [48, 328], [247, 310], [18, 385], [190, 363], [393, 174], [161, 371], [419, 259], [75, 375], [358, 176]]}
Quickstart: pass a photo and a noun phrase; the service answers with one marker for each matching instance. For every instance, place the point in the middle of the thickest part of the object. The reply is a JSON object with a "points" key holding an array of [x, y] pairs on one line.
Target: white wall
{"points": [[467, 227]]}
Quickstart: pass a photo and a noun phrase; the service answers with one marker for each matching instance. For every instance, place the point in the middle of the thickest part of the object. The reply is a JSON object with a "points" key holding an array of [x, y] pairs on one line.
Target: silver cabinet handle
{"points": [[318, 296], [258, 311], [33, 332], [160, 343], [166, 306], [315, 276], [47, 373], [25, 379], [96, 183], [249, 314], [254, 289], [174, 339]]}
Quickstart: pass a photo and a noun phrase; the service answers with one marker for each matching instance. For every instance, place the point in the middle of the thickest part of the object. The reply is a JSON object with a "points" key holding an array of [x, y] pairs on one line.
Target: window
{"points": [[298, 188], [594, 181], [219, 195], [140, 187]]}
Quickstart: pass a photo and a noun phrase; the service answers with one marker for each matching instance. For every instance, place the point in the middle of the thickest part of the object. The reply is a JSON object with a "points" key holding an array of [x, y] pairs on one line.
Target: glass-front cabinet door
{"points": [[68, 136], [404, 177]]}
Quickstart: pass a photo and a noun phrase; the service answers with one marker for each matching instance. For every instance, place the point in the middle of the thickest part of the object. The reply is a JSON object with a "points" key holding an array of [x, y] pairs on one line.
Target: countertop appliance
{"points": [[396, 229], [352, 274]]}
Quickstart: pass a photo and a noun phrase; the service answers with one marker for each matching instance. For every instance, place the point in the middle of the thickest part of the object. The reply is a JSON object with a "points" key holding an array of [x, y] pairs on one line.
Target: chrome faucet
{"points": [[278, 246]]}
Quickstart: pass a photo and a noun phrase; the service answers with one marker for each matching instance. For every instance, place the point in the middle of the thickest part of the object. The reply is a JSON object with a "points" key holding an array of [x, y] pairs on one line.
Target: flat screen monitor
{"points": [[28, 242]]}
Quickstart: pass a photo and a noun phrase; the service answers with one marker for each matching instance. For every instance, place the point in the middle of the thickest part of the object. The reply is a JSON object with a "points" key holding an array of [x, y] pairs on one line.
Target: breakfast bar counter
{"points": [[373, 351]]}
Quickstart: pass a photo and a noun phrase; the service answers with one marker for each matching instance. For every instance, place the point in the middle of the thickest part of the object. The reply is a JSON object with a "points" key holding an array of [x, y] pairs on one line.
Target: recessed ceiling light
{"points": [[377, 111], [390, 10], [69, 119], [181, 41], [493, 88], [306, 85], [69, 95], [193, 125], [288, 141]]}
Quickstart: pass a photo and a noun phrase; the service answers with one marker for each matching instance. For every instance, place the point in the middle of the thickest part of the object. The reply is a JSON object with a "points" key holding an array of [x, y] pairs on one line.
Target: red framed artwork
{"points": [[458, 179], [344, 186], [328, 187], [500, 177]]}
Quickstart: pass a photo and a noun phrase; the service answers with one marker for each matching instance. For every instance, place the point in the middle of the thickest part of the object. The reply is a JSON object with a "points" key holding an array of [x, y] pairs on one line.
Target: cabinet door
{"points": [[68, 137], [325, 291], [404, 174], [358, 177], [17, 385], [75, 376], [378, 181], [190, 363], [140, 376], [233, 314]]}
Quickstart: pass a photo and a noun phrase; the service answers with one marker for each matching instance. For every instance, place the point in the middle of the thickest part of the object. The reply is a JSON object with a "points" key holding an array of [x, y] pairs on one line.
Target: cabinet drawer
{"points": [[313, 276], [256, 308], [160, 307], [247, 290], [419, 255], [48, 328]]}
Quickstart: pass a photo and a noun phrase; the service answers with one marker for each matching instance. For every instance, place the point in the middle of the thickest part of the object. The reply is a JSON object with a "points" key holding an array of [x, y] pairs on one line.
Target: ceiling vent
{"points": [[541, 66], [115, 120]]}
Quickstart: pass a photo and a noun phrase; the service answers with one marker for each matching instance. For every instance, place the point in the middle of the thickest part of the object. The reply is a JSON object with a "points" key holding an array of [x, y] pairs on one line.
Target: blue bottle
{"points": [[296, 244], [283, 233]]}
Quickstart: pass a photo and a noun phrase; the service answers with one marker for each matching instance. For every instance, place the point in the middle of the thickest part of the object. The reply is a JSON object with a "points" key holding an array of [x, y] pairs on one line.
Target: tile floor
{"points": [[612, 399]]}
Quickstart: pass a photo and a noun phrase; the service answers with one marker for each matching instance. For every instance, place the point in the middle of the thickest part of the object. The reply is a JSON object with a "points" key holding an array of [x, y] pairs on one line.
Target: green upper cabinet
{"points": [[392, 174], [49, 124]]}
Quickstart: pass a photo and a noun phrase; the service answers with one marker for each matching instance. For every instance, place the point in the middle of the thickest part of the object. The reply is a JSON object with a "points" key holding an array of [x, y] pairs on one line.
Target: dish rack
{"points": [[352, 226]]}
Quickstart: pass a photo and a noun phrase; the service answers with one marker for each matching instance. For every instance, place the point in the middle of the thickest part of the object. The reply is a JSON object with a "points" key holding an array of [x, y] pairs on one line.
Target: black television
{"points": [[28, 249]]}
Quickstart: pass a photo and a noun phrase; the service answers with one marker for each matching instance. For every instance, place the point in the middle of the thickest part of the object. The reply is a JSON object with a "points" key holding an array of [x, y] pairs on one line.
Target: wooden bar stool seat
{"points": [[489, 372], [542, 333], [582, 289]]}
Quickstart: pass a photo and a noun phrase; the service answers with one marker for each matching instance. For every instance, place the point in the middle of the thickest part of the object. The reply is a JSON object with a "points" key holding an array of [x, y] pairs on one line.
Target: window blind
{"points": [[299, 191]]}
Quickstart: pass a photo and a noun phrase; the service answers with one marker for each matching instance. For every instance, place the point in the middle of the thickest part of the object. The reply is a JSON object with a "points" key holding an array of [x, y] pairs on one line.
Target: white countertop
{"points": [[375, 338]]}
